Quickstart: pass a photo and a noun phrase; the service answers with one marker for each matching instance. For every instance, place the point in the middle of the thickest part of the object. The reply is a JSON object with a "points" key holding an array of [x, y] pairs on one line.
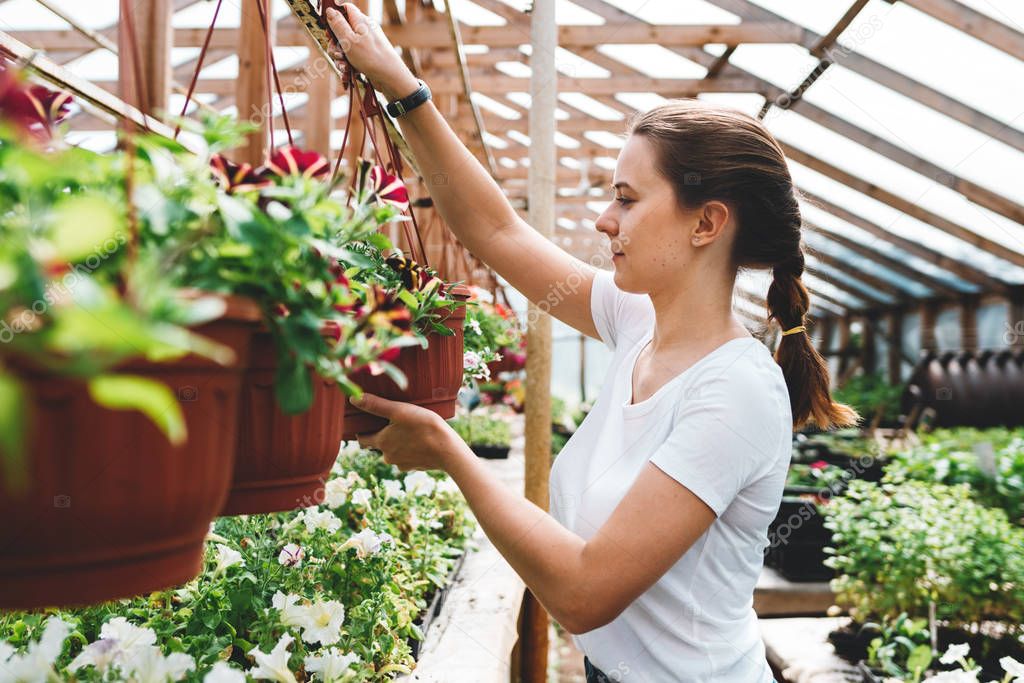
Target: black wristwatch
{"points": [[407, 104]]}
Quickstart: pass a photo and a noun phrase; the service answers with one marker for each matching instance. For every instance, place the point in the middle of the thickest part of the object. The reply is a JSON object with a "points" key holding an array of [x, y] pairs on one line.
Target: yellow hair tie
{"points": [[798, 328]]}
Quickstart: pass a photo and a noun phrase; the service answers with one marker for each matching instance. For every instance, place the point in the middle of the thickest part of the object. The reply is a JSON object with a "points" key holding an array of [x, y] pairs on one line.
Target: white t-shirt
{"points": [[723, 429]]}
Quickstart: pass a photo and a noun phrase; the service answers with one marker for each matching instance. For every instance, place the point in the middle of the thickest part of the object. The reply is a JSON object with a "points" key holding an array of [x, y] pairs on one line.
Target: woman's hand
{"points": [[415, 438], [366, 47]]}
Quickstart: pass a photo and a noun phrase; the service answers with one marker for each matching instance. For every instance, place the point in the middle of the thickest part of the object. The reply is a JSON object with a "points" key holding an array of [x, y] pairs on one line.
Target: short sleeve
{"points": [[721, 440], [619, 316]]}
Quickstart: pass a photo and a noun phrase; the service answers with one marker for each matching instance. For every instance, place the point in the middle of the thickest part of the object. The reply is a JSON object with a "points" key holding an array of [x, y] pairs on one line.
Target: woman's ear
{"points": [[714, 218]]}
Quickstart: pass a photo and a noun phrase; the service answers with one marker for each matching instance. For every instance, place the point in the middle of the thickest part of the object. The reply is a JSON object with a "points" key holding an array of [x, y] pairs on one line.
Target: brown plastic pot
{"points": [[111, 508], [283, 461], [434, 376]]}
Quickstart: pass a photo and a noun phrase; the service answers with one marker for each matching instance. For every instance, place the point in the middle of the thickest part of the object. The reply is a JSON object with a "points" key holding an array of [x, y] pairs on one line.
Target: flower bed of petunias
{"points": [[328, 593]]}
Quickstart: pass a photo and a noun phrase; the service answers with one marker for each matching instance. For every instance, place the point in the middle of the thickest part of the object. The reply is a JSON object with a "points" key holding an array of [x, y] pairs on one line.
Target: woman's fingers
{"points": [[342, 30]]}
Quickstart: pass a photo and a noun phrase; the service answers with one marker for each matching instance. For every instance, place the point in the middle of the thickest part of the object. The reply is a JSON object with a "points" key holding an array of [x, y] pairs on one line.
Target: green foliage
{"points": [[479, 428], [899, 547], [903, 650], [225, 612], [871, 395], [991, 461]]}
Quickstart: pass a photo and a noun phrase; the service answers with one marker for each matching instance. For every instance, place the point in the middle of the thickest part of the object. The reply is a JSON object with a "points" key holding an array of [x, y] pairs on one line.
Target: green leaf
{"points": [[409, 299], [155, 400], [12, 432], [920, 659], [81, 224], [293, 384]]}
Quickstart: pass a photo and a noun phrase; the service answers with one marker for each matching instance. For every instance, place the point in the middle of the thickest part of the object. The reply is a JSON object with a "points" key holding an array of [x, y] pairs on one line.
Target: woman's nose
{"points": [[605, 223]]}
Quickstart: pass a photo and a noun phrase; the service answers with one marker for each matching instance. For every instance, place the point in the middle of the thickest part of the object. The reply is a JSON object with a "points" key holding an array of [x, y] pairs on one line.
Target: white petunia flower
{"points": [[419, 483], [336, 492], [36, 664], [362, 497], [292, 614], [100, 654], [317, 519], [330, 666], [366, 542], [226, 557], [128, 635], [955, 653], [323, 622], [447, 485], [148, 664], [1013, 668], [291, 555], [392, 488], [273, 665], [223, 673]]}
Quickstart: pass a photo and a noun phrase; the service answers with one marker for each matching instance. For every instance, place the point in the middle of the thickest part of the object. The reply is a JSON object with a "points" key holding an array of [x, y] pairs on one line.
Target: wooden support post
{"points": [[153, 35], [868, 353], [929, 312], [1015, 333], [541, 181], [252, 89], [969, 322], [321, 89], [825, 326], [844, 344], [895, 361]]}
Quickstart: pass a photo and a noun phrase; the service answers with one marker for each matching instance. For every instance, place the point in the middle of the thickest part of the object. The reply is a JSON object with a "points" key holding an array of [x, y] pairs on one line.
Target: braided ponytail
{"points": [[735, 159], [802, 366]]}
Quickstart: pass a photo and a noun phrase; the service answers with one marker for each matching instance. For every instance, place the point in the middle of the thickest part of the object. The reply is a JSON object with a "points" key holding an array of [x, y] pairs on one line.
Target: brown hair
{"points": [[708, 152]]}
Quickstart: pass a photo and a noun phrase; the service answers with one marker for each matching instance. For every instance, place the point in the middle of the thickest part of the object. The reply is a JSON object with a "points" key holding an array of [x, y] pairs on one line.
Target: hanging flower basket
{"points": [[111, 507], [283, 461], [434, 375]]}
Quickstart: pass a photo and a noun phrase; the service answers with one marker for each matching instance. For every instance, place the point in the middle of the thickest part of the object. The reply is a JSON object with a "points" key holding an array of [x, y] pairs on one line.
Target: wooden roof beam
{"points": [[973, 23], [904, 205]]}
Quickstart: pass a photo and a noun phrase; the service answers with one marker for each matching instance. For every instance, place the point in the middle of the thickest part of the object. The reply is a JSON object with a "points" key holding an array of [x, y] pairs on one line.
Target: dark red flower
{"points": [[386, 310], [292, 161], [389, 189], [31, 108], [236, 177], [331, 329]]}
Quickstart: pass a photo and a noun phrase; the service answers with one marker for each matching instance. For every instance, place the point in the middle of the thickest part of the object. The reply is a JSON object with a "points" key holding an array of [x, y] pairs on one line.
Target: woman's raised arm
{"points": [[466, 196]]}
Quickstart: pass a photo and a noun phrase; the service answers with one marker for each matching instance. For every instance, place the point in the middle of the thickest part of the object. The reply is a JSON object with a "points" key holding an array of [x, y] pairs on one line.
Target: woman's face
{"points": [[651, 235]]}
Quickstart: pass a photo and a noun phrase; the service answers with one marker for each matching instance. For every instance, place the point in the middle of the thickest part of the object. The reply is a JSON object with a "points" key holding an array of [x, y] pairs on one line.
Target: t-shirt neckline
{"points": [[641, 408]]}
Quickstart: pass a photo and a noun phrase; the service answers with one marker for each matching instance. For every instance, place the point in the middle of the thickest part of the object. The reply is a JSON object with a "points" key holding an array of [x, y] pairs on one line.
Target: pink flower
{"points": [[291, 161], [388, 188]]}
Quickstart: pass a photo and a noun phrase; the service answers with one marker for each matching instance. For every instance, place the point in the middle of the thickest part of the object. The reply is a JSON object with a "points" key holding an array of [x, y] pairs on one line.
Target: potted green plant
{"points": [[279, 235], [428, 367], [111, 474], [488, 435]]}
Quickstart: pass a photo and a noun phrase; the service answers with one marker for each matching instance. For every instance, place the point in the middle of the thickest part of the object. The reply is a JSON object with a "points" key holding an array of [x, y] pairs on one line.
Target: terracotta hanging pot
{"points": [[434, 374], [111, 508], [283, 461], [511, 361]]}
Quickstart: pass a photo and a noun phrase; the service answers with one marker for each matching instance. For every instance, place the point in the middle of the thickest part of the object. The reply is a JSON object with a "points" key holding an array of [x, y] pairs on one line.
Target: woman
{"points": [[661, 501]]}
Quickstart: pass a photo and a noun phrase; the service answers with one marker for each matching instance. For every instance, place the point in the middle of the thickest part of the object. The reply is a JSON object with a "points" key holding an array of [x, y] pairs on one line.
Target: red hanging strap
{"points": [[199, 65], [277, 79]]}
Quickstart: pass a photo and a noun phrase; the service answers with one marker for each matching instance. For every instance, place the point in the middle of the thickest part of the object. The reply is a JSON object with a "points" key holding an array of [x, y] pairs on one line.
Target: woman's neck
{"points": [[694, 311]]}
